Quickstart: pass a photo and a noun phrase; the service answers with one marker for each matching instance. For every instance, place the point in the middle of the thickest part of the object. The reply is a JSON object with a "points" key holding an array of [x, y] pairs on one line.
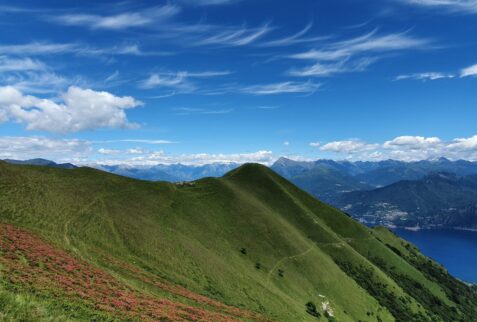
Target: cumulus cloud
{"points": [[81, 109], [464, 144], [348, 146], [412, 142], [82, 152], [406, 148]]}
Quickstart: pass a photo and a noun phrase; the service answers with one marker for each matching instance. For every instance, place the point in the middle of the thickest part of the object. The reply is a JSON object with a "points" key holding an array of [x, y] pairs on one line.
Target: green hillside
{"points": [[82, 244]]}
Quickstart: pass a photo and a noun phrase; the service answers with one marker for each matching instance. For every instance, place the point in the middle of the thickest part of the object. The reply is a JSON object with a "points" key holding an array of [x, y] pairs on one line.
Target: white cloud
{"points": [[348, 146], [466, 6], [469, 71], [119, 21], [354, 55], [464, 144], [235, 36], [412, 142], [281, 88], [36, 81], [135, 151], [426, 76], [160, 157], [286, 143], [297, 38], [315, 144], [82, 109], [38, 48], [329, 69], [39, 147], [108, 151], [180, 80], [407, 148], [22, 64]]}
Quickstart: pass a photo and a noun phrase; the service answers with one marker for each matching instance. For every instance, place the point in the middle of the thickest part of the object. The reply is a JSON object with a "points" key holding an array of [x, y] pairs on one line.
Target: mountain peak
{"points": [[282, 161]]}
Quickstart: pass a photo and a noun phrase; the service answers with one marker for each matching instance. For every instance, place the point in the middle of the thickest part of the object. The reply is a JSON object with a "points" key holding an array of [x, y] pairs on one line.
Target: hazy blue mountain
{"points": [[388, 172], [42, 162], [437, 200], [324, 179], [172, 172], [329, 175]]}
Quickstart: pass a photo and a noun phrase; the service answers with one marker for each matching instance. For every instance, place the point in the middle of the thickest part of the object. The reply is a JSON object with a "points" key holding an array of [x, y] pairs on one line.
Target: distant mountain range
{"points": [[172, 172], [437, 193], [160, 172], [377, 174]]}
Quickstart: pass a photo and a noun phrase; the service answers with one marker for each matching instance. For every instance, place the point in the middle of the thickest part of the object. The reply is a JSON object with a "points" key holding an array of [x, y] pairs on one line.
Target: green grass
{"points": [[193, 236]]}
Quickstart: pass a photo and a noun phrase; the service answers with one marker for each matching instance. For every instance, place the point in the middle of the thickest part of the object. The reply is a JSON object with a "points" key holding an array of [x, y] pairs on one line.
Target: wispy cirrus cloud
{"points": [[38, 48], [181, 82], [19, 64], [37, 82], [426, 76], [234, 36], [118, 21], [298, 38], [464, 72], [465, 6], [45, 48], [282, 88], [355, 54], [30, 75]]}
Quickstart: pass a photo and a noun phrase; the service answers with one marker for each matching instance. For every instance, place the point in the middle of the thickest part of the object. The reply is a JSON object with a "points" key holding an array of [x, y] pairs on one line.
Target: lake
{"points": [[455, 249]]}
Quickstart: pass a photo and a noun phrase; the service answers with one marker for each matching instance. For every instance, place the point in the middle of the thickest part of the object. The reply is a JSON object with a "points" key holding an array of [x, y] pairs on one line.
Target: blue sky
{"points": [[197, 81]]}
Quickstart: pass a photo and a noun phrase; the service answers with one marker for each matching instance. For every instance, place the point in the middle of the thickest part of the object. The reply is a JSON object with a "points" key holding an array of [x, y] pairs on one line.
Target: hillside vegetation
{"points": [[82, 244], [437, 200]]}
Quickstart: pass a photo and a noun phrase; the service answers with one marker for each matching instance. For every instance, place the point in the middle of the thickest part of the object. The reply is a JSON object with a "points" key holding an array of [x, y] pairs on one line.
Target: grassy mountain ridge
{"points": [[249, 241]]}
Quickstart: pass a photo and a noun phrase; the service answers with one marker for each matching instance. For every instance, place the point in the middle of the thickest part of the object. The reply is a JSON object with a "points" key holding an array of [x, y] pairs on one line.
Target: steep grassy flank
{"points": [[250, 241]]}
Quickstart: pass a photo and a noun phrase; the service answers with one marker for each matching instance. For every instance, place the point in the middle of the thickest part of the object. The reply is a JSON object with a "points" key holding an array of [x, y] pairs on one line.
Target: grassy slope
{"points": [[192, 236]]}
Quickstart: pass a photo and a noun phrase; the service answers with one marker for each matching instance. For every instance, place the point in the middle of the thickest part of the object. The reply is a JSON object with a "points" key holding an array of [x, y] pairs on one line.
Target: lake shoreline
{"points": [[453, 248]]}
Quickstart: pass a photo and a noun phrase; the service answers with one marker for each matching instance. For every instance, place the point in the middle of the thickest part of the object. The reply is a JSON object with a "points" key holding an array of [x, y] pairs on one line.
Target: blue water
{"points": [[455, 249]]}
